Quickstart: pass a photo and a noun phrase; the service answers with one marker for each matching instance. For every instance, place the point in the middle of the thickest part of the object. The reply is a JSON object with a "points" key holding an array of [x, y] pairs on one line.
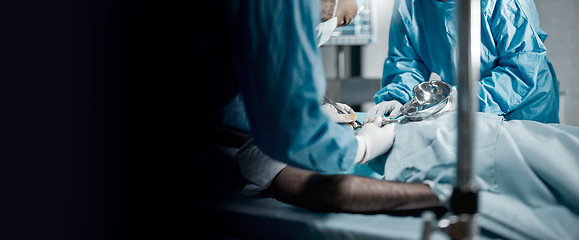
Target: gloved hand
{"points": [[333, 113], [390, 107], [452, 102], [374, 140]]}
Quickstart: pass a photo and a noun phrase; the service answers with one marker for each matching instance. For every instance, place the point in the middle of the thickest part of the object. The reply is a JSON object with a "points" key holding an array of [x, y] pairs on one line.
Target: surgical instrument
{"points": [[340, 109], [389, 121]]}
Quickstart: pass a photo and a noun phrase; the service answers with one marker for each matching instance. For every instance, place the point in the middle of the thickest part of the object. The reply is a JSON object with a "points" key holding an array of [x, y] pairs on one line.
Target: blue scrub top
{"points": [[517, 79], [279, 71]]}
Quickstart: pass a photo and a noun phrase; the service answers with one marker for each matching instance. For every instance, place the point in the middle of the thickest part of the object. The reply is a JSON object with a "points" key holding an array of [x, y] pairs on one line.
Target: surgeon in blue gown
{"points": [[517, 80], [270, 81]]}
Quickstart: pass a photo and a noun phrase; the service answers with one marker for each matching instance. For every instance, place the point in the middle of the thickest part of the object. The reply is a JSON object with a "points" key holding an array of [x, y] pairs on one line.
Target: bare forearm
{"points": [[360, 194], [348, 193]]}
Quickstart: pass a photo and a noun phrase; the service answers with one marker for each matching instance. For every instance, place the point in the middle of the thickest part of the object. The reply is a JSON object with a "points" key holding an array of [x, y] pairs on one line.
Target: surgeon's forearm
{"points": [[348, 193]]}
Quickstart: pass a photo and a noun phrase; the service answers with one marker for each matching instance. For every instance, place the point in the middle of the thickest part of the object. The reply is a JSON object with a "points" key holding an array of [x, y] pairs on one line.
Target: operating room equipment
{"points": [[464, 223], [429, 98], [358, 32]]}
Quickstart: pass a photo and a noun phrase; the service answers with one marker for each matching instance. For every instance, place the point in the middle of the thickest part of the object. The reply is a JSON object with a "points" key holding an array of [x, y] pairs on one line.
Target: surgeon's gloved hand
{"points": [[374, 140], [452, 102], [390, 107], [338, 117]]}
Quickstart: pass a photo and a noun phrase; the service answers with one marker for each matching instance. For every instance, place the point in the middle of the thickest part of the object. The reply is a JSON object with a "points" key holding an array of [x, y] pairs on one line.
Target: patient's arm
{"points": [[348, 193]]}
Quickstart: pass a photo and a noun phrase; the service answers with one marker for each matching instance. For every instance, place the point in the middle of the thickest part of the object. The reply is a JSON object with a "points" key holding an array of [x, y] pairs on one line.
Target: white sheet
{"points": [[267, 218]]}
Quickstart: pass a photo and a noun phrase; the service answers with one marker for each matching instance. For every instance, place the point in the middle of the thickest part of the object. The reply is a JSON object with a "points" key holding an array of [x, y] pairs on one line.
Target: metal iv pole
{"points": [[464, 201], [463, 224]]}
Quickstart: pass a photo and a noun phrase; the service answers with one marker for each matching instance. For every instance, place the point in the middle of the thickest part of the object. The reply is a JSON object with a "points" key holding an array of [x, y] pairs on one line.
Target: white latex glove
{"points": [[374, 140], [390, 107], [452, 102], [333, 113]]}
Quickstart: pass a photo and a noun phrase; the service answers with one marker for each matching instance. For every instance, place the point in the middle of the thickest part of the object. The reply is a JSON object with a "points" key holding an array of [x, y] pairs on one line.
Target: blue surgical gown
{"points": [[279, 71], [517, 80]]}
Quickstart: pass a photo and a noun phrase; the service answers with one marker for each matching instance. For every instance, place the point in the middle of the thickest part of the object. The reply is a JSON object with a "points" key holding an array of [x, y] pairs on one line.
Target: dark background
{"points": [[94, 99]]}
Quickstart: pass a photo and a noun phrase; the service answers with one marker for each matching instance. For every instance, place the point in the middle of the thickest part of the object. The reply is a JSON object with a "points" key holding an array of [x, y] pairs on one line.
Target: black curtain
{"points": [[94, 98]]}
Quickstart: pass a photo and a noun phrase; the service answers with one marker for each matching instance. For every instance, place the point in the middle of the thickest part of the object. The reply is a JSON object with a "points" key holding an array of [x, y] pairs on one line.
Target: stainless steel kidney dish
{"points": [[429, 98]]}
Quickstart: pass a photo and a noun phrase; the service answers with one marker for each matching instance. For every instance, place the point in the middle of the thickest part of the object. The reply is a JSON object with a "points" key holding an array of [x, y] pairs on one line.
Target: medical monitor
{"points": [[358, 32]]}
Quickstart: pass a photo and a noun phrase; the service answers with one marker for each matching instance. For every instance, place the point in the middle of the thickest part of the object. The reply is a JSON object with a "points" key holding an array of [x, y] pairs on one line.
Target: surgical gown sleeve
{"points": [[281, 76], [522, 83], [403, 68]]}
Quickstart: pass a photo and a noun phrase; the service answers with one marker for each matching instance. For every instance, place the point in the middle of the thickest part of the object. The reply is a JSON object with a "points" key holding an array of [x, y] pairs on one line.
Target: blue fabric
{"points": [[517, 79], [526, 171], [280, 74]]}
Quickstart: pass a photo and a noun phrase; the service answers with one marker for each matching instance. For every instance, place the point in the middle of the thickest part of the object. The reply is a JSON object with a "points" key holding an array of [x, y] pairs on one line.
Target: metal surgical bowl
{"points": [[429, 98]]}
